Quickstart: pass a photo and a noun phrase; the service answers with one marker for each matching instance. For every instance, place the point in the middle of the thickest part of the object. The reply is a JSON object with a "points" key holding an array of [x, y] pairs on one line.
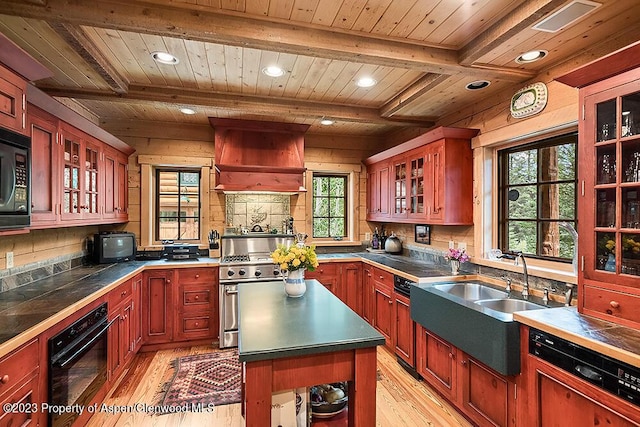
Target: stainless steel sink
{"points": [[470, 291], [507, 305]]}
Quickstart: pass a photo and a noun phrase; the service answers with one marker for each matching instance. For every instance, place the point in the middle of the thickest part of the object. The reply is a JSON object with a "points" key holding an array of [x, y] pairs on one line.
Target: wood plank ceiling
{"points": [[421, 53]]}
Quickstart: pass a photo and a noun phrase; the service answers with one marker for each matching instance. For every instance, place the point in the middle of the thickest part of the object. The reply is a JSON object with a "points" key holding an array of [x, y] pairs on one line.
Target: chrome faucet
{"points": [[507, 288], [525, 285], [545, 296], [568, 294]]}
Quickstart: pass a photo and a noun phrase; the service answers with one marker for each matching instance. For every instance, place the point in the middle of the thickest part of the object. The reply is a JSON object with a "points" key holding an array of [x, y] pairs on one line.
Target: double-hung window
{"points": [[330, 205], [537, 198], [177, 204]]}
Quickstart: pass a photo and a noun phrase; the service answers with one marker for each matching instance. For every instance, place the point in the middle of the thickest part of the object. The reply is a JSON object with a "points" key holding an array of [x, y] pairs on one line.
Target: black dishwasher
{"points": [[609, 374]]}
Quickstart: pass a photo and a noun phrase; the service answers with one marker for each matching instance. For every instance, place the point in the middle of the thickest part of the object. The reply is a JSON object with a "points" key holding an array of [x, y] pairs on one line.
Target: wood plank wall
{"points": [[171, 140]]}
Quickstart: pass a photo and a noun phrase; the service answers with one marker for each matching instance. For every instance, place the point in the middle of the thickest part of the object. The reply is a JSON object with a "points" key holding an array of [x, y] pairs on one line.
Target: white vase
{"points": [[294, 285], [455, 267]]}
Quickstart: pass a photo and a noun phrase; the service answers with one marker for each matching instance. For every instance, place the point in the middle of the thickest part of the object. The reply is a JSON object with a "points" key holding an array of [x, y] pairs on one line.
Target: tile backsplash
{"points": [[250, 209]]}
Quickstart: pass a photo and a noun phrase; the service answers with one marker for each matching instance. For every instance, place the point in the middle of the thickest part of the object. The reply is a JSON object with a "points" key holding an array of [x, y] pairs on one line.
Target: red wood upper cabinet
{"points": [[378, 180], [116, 188], [12, 101], [45, 158], [430, 179]]}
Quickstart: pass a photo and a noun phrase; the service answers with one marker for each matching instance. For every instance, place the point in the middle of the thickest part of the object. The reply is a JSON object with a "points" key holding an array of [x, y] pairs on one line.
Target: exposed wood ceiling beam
{"points": [[79, 41], [203, 24], [411, 94], [524, 16], [261, 105]]}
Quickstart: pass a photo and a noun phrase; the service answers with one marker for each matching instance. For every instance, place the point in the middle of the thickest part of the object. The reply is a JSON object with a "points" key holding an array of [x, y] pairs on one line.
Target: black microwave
{"points": [[109, 248], [15, 207]]}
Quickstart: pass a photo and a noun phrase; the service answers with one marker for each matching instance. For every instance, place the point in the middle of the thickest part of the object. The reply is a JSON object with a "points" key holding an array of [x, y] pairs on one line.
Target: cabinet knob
{"points": [[614, 304], [450, 355], [197, 324], [197, 276], [197, 297], [168, 280], [463, 362], [4, 379]]}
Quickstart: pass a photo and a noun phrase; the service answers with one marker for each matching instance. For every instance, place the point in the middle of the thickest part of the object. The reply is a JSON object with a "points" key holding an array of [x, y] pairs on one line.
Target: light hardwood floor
{"points": [[400, 399]]}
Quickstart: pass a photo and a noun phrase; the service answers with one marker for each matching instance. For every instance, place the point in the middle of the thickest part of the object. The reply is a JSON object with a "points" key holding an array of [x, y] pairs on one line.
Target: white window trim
{"points": [[353, 197], [148, 166]]}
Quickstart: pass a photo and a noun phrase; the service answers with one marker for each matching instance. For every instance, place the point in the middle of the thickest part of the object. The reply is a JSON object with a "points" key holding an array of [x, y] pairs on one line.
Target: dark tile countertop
{"points": [[29, 310], [608, 338], [289, 329]]}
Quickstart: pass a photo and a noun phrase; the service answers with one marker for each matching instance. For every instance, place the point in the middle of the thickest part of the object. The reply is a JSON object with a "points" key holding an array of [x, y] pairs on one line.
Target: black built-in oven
{"points": [[77, 366]]}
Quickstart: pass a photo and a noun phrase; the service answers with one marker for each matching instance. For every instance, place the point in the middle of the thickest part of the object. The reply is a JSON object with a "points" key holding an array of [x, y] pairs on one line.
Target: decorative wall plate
{"points": [[529, 100]]}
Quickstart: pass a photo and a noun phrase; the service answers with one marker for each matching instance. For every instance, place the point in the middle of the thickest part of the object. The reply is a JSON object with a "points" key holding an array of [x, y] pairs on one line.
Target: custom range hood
{"points": [[259, 156]]}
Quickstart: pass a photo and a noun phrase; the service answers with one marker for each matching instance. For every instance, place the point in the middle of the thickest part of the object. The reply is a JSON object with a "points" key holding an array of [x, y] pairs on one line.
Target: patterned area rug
{"points": [[205, 379]]}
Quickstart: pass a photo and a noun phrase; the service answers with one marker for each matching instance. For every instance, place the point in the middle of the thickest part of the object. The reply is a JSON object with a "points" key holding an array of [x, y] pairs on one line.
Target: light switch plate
{"points": [[9, 259]]}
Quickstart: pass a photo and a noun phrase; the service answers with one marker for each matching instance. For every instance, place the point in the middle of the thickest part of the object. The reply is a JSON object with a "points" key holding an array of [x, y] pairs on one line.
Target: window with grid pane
{"points": [[329, 205], [538, 184], [178, 204]]}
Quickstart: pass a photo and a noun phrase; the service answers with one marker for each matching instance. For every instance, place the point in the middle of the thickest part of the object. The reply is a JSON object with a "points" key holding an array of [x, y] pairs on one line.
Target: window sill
{"points": [[336, 243], [546, 270]]}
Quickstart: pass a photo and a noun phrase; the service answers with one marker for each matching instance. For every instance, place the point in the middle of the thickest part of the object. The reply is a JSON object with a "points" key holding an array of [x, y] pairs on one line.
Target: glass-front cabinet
{"points": [[614, 141], [81, 176], [399, 202], [609, 186]]}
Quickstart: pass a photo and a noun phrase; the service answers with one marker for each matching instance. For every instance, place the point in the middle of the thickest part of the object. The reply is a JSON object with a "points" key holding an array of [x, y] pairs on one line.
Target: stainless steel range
{"points": [[244, 258]]}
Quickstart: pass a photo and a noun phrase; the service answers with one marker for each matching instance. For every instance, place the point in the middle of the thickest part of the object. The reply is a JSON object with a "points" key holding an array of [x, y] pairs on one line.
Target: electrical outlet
{"points": [[9, 259], [462, 246], [451, 244], [367, 236]]}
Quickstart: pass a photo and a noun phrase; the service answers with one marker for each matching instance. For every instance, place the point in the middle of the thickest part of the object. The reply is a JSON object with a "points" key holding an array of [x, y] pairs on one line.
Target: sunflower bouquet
{"points": [[291, 258]]}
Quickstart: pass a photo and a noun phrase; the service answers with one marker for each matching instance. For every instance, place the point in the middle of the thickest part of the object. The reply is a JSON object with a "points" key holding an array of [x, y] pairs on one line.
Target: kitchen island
{"points": [[299, 342]]}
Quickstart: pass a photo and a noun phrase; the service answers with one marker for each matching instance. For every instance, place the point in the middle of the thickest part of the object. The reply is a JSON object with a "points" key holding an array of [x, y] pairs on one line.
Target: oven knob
{"points": [[258, 273], [73, 332], [276, 272], [230, 273], [242, 272]]}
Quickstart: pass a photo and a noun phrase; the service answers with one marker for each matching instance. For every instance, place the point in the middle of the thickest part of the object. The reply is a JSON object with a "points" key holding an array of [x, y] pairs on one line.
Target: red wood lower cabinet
{"points": [[21, 384], [483, 395], [404, 332]]}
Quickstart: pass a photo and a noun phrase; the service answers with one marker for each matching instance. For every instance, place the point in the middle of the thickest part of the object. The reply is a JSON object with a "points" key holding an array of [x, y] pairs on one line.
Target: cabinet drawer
{"points": [[324, 270], [197, 275], [120, 294], [196, 324], [196, 296], [618, 305], [383, 277], [15, 367]]}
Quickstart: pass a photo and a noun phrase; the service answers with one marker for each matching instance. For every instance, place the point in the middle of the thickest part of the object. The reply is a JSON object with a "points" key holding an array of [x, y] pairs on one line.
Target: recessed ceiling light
{"points": [[188, 111], [366, 82], [164, 58], [531, 56], [273, 71], [326, 122], [477, 85]]}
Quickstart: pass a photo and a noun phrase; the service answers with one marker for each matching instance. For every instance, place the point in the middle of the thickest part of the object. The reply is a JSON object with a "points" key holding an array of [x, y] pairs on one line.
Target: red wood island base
{"points": [[357, 366], [286, 343]]}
